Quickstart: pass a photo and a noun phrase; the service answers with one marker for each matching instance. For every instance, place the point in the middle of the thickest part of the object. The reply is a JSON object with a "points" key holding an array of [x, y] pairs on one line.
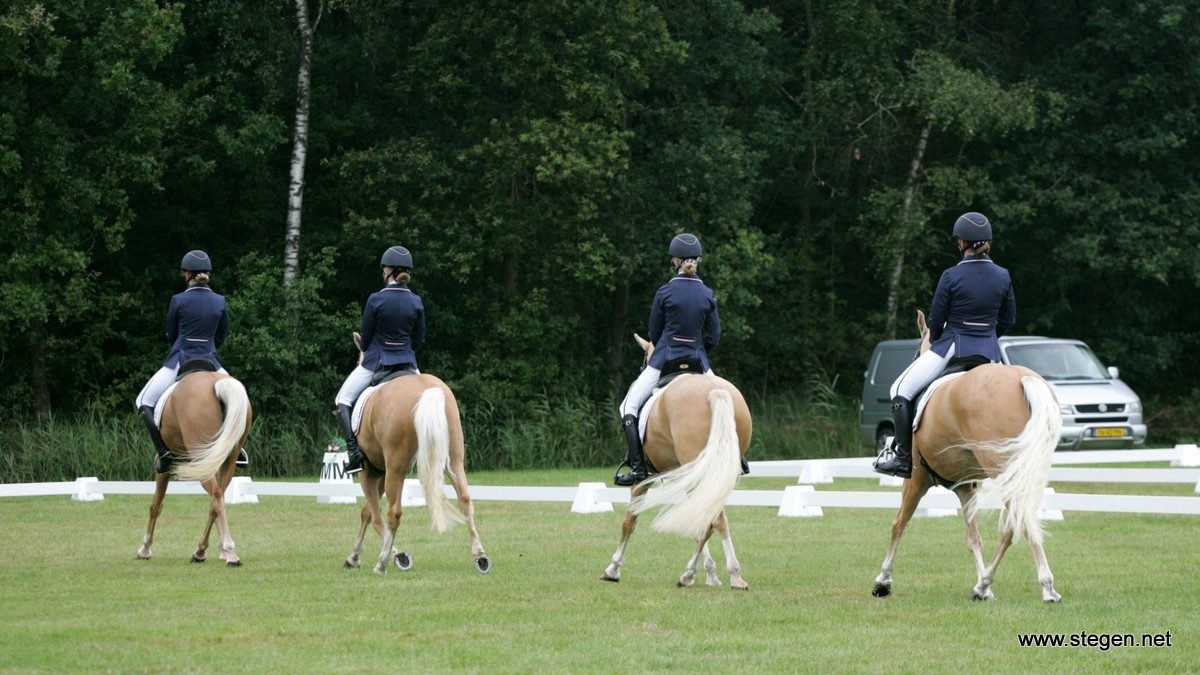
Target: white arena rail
{"points": [[795, 500]]}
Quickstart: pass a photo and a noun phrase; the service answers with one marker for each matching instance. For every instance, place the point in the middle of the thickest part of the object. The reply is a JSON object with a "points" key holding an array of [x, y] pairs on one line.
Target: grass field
{"points": [[72, 597]]}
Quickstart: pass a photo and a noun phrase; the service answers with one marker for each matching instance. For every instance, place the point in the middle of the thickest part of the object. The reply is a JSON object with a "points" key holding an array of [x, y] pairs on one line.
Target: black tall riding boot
{"points": [[897, 459], [163, 458], [354, 456], [635, 459]]}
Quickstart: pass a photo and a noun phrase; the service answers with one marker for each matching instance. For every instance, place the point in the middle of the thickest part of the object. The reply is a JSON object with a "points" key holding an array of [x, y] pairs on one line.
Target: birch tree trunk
{"points": [[914, 177], [291, 241]]}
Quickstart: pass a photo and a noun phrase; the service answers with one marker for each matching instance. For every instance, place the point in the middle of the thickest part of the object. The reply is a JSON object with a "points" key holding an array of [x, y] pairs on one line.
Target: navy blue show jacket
{"points": [[972, 307], [393, 327]]}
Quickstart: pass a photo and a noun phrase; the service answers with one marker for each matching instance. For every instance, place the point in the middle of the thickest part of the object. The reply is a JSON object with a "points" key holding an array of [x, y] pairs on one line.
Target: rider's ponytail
{"points": [[688, 267], [198, 278], [981, 247], [402, 276]]}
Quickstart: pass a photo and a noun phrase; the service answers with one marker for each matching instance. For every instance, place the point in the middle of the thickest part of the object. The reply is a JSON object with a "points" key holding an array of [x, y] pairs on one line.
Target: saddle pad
{"points": [[360, 405], [928, 392], [162, 404], [644, 415]]}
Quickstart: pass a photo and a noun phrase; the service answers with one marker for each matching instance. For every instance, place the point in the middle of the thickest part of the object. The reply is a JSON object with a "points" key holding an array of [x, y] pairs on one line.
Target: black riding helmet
{"points": [[396, 256], [196, 261], [685, 246], [973, 227]]}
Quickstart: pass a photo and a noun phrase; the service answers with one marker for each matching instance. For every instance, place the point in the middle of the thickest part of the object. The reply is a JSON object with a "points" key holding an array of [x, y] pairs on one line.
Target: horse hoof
{"points": [[881, 591], [605, 577], [680, 584], [346, 564], [1053, 599], [403, 561], [978, 597], [483, 564], [198, 559], [233, 563]]}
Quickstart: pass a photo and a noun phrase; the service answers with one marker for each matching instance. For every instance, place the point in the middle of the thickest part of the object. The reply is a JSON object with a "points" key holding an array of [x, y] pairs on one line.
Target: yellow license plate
{"points": [[1110, 432]]}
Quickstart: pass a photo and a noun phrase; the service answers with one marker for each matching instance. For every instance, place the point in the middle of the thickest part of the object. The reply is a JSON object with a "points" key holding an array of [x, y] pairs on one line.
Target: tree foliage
{"points": [[538, 157]]}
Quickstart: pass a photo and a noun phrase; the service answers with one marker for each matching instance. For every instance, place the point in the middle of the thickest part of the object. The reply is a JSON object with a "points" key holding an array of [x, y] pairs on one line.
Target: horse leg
{"points": [[613, 571], [974, 541], [219, 484], [983, 590], [458, 476], [369, 516], [354, 559], [710, 569], [731, 562], [914, 489], [1045, 576], [160, 491], [393, 486], [688, 578]]}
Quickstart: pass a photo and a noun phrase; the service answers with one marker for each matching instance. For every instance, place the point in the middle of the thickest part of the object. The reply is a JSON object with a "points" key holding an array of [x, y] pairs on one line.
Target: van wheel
{"points": [[881, 437]]}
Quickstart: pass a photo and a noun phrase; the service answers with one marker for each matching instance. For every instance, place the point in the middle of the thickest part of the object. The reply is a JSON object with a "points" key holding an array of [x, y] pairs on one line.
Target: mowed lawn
{"points": [[72, 597]]}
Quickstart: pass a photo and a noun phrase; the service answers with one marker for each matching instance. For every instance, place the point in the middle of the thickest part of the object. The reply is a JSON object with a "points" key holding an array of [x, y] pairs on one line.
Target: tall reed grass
{"points": [[572, 431]]}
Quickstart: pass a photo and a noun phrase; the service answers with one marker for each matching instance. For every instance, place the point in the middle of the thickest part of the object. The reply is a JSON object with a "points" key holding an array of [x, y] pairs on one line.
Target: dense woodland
{"points": [[537, 157]]}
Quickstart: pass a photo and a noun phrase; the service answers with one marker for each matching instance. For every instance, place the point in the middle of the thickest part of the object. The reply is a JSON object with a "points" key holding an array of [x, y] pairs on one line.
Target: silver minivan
{"points": [[1098, 409]]}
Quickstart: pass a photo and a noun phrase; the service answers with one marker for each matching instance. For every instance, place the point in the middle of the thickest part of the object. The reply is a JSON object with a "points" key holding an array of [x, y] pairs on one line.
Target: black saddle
{"points": [[958, 364], [195, 366], [674, 369], [389, 373]]}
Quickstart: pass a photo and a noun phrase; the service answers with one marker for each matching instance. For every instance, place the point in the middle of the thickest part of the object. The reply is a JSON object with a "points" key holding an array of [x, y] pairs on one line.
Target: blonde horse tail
{"points": [[207, 459], [1021, 485], [693, 495], [433, 456]]}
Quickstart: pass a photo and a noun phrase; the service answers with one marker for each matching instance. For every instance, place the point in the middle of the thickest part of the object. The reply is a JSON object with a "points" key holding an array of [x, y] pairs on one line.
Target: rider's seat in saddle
{"points": [[958, 364], [389, 373], [195, 366], [674, 369]]}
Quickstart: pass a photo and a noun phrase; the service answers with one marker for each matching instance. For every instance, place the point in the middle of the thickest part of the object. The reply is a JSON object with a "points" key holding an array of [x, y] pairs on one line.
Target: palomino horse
{"points": [[999, 422], [204, 424], [412, 419], [697, 432]]}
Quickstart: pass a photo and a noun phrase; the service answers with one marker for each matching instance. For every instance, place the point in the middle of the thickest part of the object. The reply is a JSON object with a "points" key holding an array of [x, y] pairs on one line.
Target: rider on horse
{"points": [[972, 306], [197, 324], [683, 326], [393, 328]]}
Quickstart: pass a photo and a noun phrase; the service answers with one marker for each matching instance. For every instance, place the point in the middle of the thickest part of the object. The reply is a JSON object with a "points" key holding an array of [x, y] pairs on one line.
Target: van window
{"points": [[1058, 361], [889, 363]]}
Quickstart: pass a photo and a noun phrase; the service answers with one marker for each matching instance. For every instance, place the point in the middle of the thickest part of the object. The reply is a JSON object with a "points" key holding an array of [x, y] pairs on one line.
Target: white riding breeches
{"points": [[920, 373], [159, 383], [357, 381], [641, 389]]}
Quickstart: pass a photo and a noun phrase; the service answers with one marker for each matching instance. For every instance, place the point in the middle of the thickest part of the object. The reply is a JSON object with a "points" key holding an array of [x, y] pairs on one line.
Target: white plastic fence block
{"points": [[412, 494], [934, 511], [236, 493], [1049, 514], [792, 504], [85, 490], [814, 471], [1189, 455], [587, 501], [891, 481], [332, 471]]}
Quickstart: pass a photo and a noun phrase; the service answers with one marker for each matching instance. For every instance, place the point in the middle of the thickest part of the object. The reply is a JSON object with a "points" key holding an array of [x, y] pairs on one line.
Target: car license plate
{"points": [[1109, 432]]}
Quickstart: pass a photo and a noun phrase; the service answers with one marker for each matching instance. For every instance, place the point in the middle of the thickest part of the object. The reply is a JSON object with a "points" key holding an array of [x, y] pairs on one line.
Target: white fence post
{"points": [[1045, 513], [412, 494], [814, 471], [792, 504], [1189, 455], [934, 511], [586, 500], [236, 493], [333, 471], [83, 490]]}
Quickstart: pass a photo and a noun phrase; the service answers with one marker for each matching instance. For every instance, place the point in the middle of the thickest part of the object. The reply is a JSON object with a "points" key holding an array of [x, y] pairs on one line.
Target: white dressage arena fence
{"points": [[800, 500]]}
